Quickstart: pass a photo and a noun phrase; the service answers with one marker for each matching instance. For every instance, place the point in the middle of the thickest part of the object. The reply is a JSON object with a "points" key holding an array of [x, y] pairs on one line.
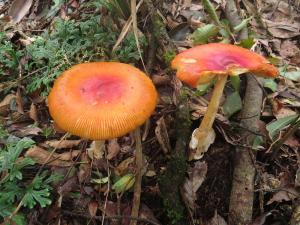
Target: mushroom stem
{"points": [[98, 149], [205, 127], [138, 175]]}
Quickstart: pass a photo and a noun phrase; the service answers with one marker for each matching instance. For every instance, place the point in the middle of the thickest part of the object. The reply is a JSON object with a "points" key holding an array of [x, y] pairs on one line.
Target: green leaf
{"points": [[235, 82], [257, 142], [208, 6], [292, 75], [270, 83], [203, 88], [233, 104], [247, 43], [242, 25], [103, 180], [202, 34], [124, 183], [274, 127]]}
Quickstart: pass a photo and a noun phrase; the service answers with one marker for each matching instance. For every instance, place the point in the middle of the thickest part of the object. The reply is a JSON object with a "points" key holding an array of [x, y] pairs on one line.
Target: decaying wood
{"points": [[241, 199]]}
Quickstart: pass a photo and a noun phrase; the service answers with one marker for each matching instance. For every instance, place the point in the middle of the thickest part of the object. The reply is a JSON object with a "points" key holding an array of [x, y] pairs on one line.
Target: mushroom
{"points": [[203, 63], [103, 100]]}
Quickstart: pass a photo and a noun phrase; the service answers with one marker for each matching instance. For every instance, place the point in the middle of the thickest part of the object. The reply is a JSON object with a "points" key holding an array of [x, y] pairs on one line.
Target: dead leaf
{"points": [[19, 101], [162, 136], [288, 49], [5, 103], [196, 176], [68, 186], [293, 142], [287, 194], [63, 143], [33, 114], [20, 130], [123, 167], [283, 29], [84, 173], [43, 156], [18, 9], [217, 220], [93, 207], [113, 148]]}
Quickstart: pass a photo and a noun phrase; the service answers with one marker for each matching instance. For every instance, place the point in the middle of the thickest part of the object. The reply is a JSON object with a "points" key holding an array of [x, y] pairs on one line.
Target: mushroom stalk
{"points": [[98, 149], [206, 125], [138, 175]]}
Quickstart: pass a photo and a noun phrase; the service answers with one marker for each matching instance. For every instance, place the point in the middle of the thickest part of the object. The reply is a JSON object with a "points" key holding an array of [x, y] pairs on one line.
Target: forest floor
{"points": [[48, 176]]}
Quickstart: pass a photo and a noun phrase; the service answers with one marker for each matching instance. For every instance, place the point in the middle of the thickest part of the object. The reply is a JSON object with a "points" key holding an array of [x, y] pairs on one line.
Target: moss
{"points": [[169, 184], [169, 56]]}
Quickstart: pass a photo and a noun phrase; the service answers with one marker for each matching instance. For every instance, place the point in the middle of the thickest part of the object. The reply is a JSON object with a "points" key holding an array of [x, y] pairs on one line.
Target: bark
{"points": [[242, 193]]}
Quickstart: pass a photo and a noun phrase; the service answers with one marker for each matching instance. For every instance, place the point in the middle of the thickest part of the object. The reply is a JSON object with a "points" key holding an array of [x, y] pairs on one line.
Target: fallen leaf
{"points": [[5, 103], [43, 156], [113, 148], [196, 176], [288, 49], [33, 114], [63, 143], [124, 183], [288, 194], [19, 101], [84, 173], [162, 136], [23, 131], [68, 186], [93, 207], [217, 220], [18, 9], [283, 29], [293, 142], [123, 167]]}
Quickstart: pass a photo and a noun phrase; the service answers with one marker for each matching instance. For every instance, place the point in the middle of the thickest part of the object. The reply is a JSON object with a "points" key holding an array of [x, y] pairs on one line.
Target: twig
{"points": [[113, 217], [138, 176]]}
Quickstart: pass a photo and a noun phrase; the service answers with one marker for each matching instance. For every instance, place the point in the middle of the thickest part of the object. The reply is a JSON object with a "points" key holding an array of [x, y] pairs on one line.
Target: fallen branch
{"points": [[242, 192]]}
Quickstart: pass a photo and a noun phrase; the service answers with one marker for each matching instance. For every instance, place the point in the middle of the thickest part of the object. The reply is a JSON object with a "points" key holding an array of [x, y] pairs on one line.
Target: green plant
{"points": [[9, 57], [71, 42], [13, 189]]}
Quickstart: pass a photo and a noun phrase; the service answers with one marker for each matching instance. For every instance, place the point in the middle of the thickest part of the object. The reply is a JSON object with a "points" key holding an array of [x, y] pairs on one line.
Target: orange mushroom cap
{"points": [[102, 100], [200, 64]]}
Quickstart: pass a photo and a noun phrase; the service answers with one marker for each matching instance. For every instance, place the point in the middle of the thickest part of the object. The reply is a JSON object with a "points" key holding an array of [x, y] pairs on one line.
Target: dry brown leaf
{"points": [[84, 173], [196, 176], [293, 142], [24, 131], [19, 101], [63, 143], [289, 49], [5, 103], [33, 114], [18, 9], [93, 207], [42, 156], [217, 220], [68, 186], [162, 136], [283, 29], [288, 194], [123, 167], [113, 148]]}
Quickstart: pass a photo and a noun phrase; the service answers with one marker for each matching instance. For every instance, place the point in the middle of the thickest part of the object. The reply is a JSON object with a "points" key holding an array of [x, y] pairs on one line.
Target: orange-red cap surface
{"points": [[201, 63], [101, 100]]}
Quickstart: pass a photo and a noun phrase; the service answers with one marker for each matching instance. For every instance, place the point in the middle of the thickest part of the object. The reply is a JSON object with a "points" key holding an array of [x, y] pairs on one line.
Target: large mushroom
{"points": [[103, 100], [201, 64]]}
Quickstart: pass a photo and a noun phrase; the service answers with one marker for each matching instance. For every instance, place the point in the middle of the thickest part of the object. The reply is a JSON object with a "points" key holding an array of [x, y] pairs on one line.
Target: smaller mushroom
{"points": [[103, 100], [203, 63]]}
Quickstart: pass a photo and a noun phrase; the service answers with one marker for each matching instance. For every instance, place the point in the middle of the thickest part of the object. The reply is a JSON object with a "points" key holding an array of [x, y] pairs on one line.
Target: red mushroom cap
{"points": [[200, 64], [102, 100]]}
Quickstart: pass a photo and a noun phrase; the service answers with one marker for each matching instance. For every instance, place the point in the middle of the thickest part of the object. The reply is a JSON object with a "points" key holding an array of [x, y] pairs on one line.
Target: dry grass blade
{"points": [[125, 29], [135, 30]]}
